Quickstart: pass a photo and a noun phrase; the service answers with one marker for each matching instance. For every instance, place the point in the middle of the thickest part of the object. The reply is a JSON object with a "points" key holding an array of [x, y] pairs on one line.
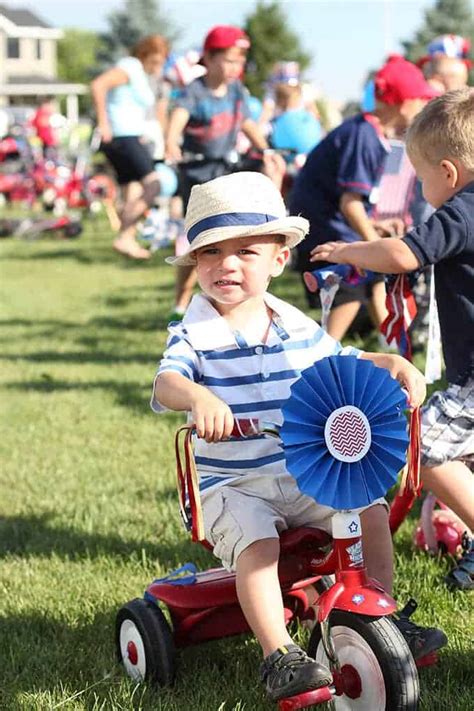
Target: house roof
{"points": [[21, 17]]}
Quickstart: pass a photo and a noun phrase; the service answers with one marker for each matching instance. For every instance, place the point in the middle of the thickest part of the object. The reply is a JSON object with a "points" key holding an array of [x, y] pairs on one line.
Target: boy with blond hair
{"points": [[440, 145], [236, 352]]}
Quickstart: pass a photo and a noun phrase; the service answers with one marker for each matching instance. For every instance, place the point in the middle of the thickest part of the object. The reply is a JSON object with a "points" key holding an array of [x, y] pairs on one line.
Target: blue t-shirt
{"points": [[214, 121], [297, 130], [447, 241], [350, 159]]}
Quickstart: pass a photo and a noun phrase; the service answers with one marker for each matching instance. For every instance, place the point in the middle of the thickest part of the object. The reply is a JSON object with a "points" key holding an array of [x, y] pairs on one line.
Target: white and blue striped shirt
{"points": [[254, 379]]}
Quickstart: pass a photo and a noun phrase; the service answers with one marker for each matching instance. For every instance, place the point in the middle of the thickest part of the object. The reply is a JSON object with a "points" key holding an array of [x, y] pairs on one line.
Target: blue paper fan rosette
{"points": [[344, 432]]}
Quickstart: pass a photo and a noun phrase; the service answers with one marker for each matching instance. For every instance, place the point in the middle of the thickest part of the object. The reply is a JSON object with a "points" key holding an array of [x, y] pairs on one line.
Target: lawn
{"points": [[88, 511]]}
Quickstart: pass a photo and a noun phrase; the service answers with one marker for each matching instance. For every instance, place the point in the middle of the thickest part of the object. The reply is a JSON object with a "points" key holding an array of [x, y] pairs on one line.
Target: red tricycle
{"points": [[352, 632]]}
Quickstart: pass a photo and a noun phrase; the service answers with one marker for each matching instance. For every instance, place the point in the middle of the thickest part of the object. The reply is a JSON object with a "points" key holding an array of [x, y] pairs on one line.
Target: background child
{"points": [[207, 118], [446, 64], [337, 186], [123, 96], [294, 128], [440, 145], [43, 123], [237, 352]]}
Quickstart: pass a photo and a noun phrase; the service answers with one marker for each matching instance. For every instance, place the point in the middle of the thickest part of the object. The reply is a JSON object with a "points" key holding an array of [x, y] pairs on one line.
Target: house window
{"points": [[38, 49], [13, 48]]}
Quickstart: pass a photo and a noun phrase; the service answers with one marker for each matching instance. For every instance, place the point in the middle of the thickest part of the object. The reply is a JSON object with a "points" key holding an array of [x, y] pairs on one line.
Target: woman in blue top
{"points": [[123, 96]]}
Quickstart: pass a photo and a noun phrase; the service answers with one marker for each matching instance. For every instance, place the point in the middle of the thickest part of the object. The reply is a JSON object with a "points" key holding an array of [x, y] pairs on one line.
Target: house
{"points": [[28, 65]]}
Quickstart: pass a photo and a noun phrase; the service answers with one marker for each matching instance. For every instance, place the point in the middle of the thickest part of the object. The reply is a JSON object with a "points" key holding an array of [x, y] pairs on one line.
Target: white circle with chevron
{"points": [[344, 432]]}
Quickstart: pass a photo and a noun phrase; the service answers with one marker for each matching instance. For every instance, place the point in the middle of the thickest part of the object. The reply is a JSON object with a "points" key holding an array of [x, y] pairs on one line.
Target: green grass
{"points": [[88, 511]]}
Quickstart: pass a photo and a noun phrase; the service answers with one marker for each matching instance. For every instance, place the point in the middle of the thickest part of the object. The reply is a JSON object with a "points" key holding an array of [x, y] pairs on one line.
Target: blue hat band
{"points": [[229, 219]]}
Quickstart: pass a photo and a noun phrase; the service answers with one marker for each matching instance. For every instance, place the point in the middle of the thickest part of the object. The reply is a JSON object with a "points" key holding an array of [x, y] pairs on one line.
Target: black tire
{"points": [[143, 624], [391, 662], [72, 230]]}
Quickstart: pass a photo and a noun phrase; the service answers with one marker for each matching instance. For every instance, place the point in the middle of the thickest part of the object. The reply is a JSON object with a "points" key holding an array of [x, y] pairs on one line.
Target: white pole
{"points": [[72, 109]]}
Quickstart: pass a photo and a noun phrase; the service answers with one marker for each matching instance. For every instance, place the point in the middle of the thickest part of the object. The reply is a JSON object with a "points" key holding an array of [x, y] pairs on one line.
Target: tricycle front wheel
{"points": [[377, 669]]}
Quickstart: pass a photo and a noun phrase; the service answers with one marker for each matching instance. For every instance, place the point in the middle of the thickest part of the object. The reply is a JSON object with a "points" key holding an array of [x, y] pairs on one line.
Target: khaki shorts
{"points": [[252, 508]]}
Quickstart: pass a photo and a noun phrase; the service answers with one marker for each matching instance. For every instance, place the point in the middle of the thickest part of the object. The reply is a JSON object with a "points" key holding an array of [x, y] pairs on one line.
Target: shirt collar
{"points": [[376, 125], [207, 329]]}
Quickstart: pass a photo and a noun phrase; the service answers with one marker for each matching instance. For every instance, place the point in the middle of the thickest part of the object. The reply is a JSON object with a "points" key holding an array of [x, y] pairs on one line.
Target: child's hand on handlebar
{"points": [[212, 417], [411, 380]]}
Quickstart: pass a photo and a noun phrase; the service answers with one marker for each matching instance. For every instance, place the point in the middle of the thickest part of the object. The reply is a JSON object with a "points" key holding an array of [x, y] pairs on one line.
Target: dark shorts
{"points": [[345, 294], [130, 159]]}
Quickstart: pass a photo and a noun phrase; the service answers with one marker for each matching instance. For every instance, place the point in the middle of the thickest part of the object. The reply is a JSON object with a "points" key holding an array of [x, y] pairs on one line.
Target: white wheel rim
{"points": [[129, 636], [352, 649]]}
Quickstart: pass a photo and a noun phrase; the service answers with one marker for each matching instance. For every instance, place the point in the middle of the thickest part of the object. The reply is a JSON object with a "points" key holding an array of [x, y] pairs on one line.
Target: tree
{"points": [[446, 17], [272, 41], [77, 51], [76, 55], [137, 19]]}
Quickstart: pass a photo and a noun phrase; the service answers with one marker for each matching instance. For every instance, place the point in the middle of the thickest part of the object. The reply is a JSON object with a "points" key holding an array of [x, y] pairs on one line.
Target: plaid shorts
{"points": [[447, 426]]}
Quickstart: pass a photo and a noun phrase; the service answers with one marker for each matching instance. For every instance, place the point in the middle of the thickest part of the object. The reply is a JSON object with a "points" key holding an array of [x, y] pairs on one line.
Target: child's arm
{"points": [[254, 134], [178, 120], [403, 371], [213, 417], [100, 87], [352, 208], [388, 256]]}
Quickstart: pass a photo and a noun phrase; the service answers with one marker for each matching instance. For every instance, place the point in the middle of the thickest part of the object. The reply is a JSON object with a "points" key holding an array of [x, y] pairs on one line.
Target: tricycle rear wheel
{"points": [[144, 642]]}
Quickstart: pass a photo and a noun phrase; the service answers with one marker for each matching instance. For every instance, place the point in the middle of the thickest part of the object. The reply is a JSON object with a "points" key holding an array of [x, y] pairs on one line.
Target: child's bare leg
{"points": [[341, 318], [377, 545], [378, 554], [376, 308], [259, 594], [286, 669], [129, 193], [453, 484], [185, 280], [137, 203]]}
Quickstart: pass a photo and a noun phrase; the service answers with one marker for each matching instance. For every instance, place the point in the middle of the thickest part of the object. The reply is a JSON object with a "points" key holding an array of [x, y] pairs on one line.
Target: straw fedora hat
{"points": [[237, 205]]}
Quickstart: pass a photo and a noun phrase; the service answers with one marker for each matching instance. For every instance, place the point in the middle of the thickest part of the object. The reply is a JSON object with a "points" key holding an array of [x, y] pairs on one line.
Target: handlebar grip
{"points": [[245, 427]]}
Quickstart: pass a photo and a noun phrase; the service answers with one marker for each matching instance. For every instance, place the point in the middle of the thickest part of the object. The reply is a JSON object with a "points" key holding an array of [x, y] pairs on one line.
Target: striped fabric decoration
{"points": [[401, 307], [397, 185]]}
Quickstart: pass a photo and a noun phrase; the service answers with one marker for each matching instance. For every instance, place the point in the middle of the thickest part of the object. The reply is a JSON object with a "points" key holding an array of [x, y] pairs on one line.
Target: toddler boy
{"points": [[236, 353]]}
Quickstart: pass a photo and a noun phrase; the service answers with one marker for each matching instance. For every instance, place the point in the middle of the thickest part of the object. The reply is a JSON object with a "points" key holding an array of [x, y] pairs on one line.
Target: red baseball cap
{"points": [[399, 80], [224, 37]]}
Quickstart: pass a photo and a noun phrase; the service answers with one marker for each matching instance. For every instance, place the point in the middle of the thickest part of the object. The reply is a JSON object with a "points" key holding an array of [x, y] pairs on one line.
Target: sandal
{"points": [[289, 671]]}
